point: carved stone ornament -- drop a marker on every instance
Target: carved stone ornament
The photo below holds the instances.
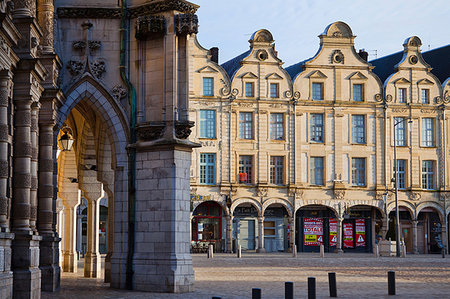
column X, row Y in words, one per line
column 183, row 129
column 150, row 131
column 225, row 90
column 193, row 191
column 75, row 67
column 297, row 95
column 415, row 196
column 186, row 24
column 98, row 13
column 438, row 100
column 413, row 59
column 149, row 27
column 443, row 196
column 95, row 45
column 262, row 55
column 288, row 93
column 98, row 68
column 337, row 57
column 79, row 45
column 388, row 98
column 339, row 194
column 119, row 92
column 378, row 98
column 262, row 191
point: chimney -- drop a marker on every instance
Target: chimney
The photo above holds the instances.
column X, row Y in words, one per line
column 363, row 54
column 214, row 51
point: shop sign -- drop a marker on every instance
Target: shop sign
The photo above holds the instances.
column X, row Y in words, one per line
column 360, row 232
column 333, row 232
column 348, row 235
column 313, row 231
column 200, row 197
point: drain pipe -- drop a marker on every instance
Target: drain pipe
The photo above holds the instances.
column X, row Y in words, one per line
column 124, row 37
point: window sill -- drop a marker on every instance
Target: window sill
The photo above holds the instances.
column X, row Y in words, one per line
column 206, row 138
column 207, row 185
column 431, row 146
column 353, row 143
column 316, row 142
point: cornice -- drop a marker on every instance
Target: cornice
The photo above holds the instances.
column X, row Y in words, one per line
column 153, row 7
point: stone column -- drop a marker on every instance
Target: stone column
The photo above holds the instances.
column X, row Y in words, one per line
column 291, row 233
column 339, row 235
column 24, row 8
column 110, row 237
column 6, row 275
column 229, row 219
column 260, row 235
column 71, row 200
column 92, row 260
column 34, row 165
column 414, row 231
column 45, row 19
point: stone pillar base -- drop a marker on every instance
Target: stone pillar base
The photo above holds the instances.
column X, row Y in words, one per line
column 25, row 265
column 108, row 267
column 261, row 250
column 92, row 265
column 338, row 250
column 49, row 263
column 6, row 275
column 163, row 275
column 70, row 263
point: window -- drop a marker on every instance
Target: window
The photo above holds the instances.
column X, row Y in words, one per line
column 207, row 124
column 246, row 125
column 276, row 170
column 207, row 169
column 401, row 174
column 402, row 95
column 427, row 132
column 428, row 175
column 276, row 126
column 425, row 95
column 399, row 127
column 317, row 91
column 358, row 92
column 245, row 169
column 249, row 89
column 317, row 170
column 358, row 171
column 274, row 90
column 208, row 84
column 316, row 122
column 358, row 129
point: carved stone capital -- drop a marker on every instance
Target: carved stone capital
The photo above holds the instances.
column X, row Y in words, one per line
column 149, row 27
column 186, row 24
column 150, row 131
column 183, row 129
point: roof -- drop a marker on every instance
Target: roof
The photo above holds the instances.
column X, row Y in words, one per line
column 232, row 65
column 438, row 59
column 295, row 69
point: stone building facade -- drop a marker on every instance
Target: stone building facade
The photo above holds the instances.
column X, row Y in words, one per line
column 304, row 155
column 111, row 77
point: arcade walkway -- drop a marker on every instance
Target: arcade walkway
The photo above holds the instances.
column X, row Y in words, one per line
column 358, row 276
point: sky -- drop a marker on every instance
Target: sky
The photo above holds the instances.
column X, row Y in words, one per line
column 381, row 25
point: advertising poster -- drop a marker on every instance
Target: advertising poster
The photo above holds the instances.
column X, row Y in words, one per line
column 333, row 232
column 360, row 229
column 348, row 235
column 313, row 231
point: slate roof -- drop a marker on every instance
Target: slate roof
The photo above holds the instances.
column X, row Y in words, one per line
column 438, row 59
column 232, row 65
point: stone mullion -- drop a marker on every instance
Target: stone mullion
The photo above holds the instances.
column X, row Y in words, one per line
column 4, row 165
column 45, row 217
column 34, row 165
column 22, row 166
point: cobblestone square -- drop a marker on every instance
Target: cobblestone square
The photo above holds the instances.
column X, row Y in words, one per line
column 358, row 276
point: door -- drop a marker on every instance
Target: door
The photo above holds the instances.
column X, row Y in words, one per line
column 247, row 234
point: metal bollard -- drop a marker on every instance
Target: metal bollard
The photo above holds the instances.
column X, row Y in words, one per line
column 376, row 251
column 239, row 252
column 289, row 290
column 216, row 297
column 311, row 288
column 294, row 251
column 256, row 293
column 210, row 253
column 322, row 250
column 332, row 284
column 391, row 282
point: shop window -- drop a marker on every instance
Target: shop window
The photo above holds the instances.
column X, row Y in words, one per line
column 207, row 223
column 276, row 126
column 208, row 87
column 208, row 124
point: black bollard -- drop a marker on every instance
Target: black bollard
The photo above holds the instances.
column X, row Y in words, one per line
column 289, row 290
column 311, row 288
column 216, row 297
column 332, row 283
column 391, row 282
column 256, row 293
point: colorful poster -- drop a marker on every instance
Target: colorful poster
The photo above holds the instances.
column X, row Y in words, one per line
column 313, row 231
column 360, row 229
column 333, row 232
column 348, row 235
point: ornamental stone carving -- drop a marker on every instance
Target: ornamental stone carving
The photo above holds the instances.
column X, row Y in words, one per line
column 150, row 131
column 79, row 45
column 95, row 45
column 415, row 196
column 98, row 13
column 378, row 97
column 98, row 68
column 388, row 98
column 75, row 67
column 339, row 194
column 337, row 57
column 262, row 191
column 186, row 24
column 119, row 92
column 183, row 129
column 149, row 27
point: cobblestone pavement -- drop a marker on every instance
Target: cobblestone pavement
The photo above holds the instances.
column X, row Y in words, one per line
column 358, row 276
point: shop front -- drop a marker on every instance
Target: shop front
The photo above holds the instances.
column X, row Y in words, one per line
column 207, row 227
column 245, row 227
column 357, row 229
column 429, row 232
column 276, row 229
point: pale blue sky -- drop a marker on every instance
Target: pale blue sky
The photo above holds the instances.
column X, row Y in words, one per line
column 380, row 25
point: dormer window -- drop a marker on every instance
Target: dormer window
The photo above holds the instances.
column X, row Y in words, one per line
column 274, row 87
column 249, row 89
column 358, row 90
column 208, row 86
column 317, row 91
column 425, row 96
column 402, row 95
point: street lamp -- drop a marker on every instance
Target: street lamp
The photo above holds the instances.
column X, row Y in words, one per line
column 66, row 139
column 397, row 213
